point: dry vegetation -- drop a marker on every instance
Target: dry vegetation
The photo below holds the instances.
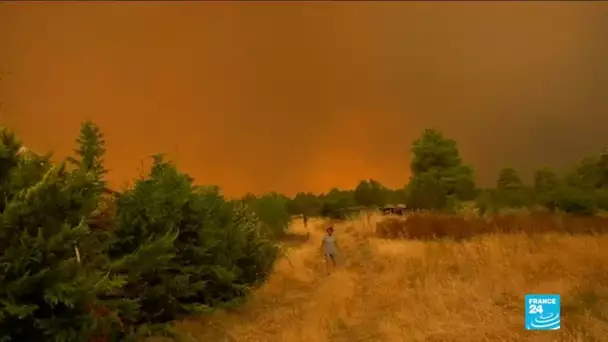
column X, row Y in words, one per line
column 432, row 225
column 405, row 290
column 164, row 249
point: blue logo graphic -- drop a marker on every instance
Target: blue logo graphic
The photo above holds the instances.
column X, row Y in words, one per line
column 543, row 312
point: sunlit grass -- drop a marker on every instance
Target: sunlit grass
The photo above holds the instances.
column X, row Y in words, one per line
column 399, row 290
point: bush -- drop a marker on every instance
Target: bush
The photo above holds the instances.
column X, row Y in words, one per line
column 183, row 249
column 271, row 210
column 575, row 200
column 433, row 226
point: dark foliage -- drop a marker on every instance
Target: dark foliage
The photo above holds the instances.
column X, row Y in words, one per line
column 78, row 265
column 54, row 275
column 425, row 226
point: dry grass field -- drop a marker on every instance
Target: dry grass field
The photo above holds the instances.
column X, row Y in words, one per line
column 405, row 290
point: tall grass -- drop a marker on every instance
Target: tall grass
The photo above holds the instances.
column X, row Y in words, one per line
column 405, row 290
column 431, row 226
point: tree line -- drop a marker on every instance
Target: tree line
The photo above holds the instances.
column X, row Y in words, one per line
column 80, row 264
column 441, row 181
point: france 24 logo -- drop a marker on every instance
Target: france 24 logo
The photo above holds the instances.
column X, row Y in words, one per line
column 543, row 312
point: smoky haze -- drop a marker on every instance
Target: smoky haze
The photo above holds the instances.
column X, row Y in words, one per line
column 306, row 96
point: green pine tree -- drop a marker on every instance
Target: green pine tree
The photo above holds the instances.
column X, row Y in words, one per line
column 184, row 249
column 53, row 272
column 90, row 153
column 439, row 178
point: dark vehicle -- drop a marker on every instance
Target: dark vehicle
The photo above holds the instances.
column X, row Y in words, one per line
column 394, row 210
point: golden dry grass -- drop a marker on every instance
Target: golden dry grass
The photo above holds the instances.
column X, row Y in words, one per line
column 396, row 290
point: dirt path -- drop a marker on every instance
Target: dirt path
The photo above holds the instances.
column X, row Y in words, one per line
column 300, row 302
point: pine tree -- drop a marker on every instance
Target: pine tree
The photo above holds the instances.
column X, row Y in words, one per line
column 54, row 277
column 439, row 178
column 90, row 153
column 89, row 159
column 184, row 249
column 51, row 263
column 174, row 249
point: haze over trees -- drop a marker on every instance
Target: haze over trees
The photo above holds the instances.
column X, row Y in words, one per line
column 441, row 181
column 78, row 264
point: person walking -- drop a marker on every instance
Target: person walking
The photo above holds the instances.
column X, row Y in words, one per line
column 329, row 245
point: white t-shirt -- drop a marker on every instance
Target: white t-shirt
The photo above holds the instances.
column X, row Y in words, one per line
column 329, row 244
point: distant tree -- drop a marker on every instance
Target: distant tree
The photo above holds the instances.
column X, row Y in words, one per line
column 545, row 180
column 397, row 196
column 336, row 202
column 511, row 191
column 434, row 152
column 437, row 167
column 590, row 173
column 590, row 176
column 370, row 194
column 460, row 182
column 508, row 179
column 362, row 194
column 341, row 198
column 427, row 191
column 305, row 203
column 546, row 184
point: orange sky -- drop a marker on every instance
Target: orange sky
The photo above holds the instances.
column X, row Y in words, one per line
column 306, row 96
